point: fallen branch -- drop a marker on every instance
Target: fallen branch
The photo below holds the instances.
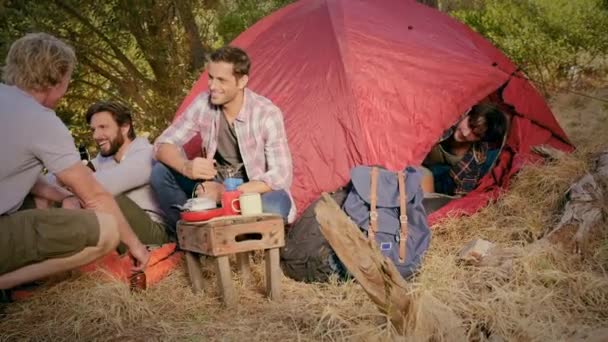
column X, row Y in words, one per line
column 380, row 279
column 583, row 213
column 378, row 276
column 583, row 220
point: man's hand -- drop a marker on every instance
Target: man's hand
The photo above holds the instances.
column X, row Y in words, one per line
column 213, row 190
column 196, row 169
column 93, row 196
column 199, row 168
column 254, row 186
column 71, row 202
column 141, row 256
column 44, row 190
column 42, row 203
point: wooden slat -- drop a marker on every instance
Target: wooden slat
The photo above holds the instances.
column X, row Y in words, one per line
column 211, row 238
column 224, row 239
column 192, row 238
column 273, row 274
column 224, row 281
column 193, row 264
column 238, row 219
column 242, row 260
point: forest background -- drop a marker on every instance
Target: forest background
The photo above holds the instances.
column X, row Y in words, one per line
column 148, row 53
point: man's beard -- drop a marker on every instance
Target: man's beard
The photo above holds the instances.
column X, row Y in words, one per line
column 115, row 145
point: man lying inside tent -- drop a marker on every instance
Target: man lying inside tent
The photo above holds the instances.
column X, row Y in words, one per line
column 466, row 151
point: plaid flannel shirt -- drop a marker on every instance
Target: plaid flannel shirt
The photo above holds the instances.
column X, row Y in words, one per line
column 260, row 134
column 467, row 172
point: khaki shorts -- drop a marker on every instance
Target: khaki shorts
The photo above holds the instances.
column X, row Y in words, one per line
column 148, row 231
column 31, row 236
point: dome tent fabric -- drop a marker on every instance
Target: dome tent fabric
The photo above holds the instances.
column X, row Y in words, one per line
column 376, row 82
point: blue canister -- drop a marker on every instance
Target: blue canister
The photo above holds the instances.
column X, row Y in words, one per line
column 232, row 183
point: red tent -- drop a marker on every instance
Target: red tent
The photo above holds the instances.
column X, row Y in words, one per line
column 377, row 82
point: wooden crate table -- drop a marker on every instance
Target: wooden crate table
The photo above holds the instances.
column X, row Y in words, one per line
column 220, row 237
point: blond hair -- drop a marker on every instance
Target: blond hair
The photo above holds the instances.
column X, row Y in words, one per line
column 38, row 61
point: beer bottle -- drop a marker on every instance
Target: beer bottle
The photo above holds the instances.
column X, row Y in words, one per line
column 84, row 157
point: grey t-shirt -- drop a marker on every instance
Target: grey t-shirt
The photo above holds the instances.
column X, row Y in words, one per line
column 131, row 176
column 31, row 137
column 228, row 155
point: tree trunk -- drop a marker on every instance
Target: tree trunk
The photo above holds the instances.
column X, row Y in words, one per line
column 197, row 50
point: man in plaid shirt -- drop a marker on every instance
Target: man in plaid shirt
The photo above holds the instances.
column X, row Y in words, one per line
column 243, row 136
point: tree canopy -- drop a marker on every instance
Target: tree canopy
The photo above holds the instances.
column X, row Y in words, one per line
column 145, row 53
column 148, row 53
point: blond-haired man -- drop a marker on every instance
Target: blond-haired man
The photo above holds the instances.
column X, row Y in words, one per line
column 37, row 243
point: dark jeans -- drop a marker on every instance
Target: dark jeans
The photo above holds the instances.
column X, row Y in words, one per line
column 173, row 188
column 444, row 184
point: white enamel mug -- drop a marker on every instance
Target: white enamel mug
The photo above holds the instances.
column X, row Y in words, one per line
column 251, row 203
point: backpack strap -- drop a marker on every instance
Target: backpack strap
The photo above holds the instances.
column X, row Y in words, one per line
column 402, row 216
column 373, row 213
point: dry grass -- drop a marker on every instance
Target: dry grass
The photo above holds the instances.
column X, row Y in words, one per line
column 545, row 294
column 92, row 308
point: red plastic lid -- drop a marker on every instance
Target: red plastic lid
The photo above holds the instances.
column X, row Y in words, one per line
column 204, row 215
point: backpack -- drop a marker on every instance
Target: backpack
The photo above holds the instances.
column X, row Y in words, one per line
column 388, row 207
column 307, row 256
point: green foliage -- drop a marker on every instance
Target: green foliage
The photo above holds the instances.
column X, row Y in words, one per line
column 238, row 15
column 546, row 38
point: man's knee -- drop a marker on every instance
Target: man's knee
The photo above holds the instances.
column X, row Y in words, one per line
column 109, row 236
column 276, row 202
